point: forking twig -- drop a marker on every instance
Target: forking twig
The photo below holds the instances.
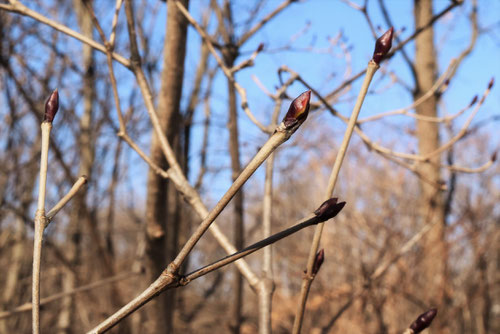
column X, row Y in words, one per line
column 295, row 116
column 326, row 211
column 42, row 219
column 382, row 47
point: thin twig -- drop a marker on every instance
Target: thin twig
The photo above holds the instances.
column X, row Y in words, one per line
column 327, row 210
column 18, row 7
column 227, row 71
column 294, row 118
column 28, row 307
column 382, row 46
column 40, row 223
column 82, row 180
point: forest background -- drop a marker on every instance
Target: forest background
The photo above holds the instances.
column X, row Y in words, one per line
column 416, row 232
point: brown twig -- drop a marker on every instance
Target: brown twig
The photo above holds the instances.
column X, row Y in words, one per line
column 382, row 47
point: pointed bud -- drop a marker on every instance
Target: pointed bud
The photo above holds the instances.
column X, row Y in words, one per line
column 473, row 102
column 423, row 321
column 298, row 111
column 382, row 46
column 260, row 47
column 494, row 157
column 329, row 209
column 51, row 107
column 318, row 261
column 491, row 83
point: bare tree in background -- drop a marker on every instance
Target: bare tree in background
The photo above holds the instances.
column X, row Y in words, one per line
column 404, row 244
column 163, row 202
column 432, row 204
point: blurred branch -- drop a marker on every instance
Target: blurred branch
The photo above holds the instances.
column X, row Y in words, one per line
column 382, row 46
column 417, row 32
column 227, row 71
column 27, row 306
column 17, row 7
column 262, row 22
column 306, row 222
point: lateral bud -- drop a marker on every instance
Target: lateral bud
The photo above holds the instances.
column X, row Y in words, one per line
column 329, row 209
column 423, row 321
column 51, row 106
column 382, row 46
column 318, row 261
column 298, row 111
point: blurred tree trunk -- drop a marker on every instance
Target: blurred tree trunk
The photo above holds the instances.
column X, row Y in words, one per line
column 234, row 151
column 79, row 212
column 163, row 202
column 18, row 257
column 81, row 215
column 432, row 206
column 230, row 52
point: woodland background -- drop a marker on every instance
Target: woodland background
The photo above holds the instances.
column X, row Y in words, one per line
column 117, row 235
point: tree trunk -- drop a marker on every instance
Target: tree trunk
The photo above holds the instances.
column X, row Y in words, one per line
column 238, row 235
column 162, row 203
column 433, row 265
column 79, row 212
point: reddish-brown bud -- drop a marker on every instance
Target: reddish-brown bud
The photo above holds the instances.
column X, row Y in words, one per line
column 382, row 46
column 298, row 111
column 260, row 47
column 51, row 107
column 423, row 321
column 494, row 157
column 318, row 261
column 329, row 209
column 473, row 102
column 491, row 83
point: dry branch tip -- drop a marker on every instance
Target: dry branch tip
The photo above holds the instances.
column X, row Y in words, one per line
column 51, row 106
column 382, row 46
column 423, row 321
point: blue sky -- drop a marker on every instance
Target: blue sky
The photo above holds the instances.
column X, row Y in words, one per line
column 326, row 19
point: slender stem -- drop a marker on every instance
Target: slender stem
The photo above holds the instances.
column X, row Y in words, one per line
column 308, row 221
column 170, row 276
column 40, row 223
column 82, row 180
column 37, row 256
column 278, row 138
column 152, row 291
column 108, row 280
column 309, row 277
column 266, row 283
column 46, row 128
column 168, row 281
column 18, row 7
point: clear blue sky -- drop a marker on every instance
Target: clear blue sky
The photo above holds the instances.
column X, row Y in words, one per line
column 327, row 19
column 324, row 70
